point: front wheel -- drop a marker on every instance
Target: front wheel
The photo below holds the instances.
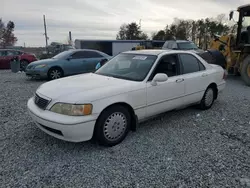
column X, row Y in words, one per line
column 112, row 125
column 208, row 99
column 55, row 73
column 245, row 70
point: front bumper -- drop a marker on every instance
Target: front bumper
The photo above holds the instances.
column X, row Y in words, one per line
column 68, row 128
column 36, row 73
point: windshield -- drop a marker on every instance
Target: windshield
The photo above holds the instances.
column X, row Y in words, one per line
column 187, row 46
column 128, row 66
column 245, row 23
column 62, row 55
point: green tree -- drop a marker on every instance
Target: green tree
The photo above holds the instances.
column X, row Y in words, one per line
column 160, row 35
column 143, row 36
column 131, row 31
column 199, row 31
column 122, row 33
column 7, row 37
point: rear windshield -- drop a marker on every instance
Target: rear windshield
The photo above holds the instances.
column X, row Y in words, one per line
column 187, row 46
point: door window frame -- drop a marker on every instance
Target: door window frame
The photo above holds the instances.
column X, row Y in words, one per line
column 182, row 67
column 178, row 67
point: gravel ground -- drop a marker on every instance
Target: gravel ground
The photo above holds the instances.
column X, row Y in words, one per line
column 187, row 148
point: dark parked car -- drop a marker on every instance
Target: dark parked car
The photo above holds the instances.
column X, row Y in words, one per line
column 181, row 45
column 6, row 55
column 66, row 63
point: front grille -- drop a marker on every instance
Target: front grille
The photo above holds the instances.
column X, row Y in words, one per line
column 41, row 102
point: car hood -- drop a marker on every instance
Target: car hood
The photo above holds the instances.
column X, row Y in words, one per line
column 88, row 87
column 43, row 61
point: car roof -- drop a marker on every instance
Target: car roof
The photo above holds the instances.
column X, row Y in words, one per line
column 158, row 52
column 146, row 52
column 9, row 49
column 79, row 50
column 178, row 41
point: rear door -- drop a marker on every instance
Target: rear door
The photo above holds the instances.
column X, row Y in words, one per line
column 196, row 77
column 91, row 59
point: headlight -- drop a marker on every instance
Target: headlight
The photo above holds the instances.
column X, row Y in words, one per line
column 40, row 66
column 72, row 109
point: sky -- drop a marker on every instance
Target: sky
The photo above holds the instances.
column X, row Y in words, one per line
column 101, row 19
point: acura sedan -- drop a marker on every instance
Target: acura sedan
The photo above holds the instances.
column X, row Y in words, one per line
column 131, row 87
column 66, row 63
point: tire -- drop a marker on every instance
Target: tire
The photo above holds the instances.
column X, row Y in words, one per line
column 208, row 98
column 23, row 65
column 55, row 73
column 112, row 126
column 245, row 70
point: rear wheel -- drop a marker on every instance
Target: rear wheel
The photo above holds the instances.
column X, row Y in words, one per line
column 112, row 125
column 245, row 71
column 208, row 98
column 55, row 73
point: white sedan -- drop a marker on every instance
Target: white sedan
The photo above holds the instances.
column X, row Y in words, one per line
column 131, row 87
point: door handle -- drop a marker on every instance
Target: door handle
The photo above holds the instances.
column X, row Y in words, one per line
column 179, row 80
column 204, row 74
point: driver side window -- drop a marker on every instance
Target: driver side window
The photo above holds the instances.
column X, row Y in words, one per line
column 168, row 64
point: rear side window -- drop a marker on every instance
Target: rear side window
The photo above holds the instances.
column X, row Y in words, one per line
column 78, row 55
column 190, row 64
column 11, row 53
column 86, row 54
column 92, row 54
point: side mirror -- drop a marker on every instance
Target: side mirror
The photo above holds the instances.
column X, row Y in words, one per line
column 231, row 14
column 160, row 77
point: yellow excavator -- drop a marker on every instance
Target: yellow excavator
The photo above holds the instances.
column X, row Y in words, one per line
column 236, row 50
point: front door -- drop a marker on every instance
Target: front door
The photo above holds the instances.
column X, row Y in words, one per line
column 75, row 64
column 165, row 95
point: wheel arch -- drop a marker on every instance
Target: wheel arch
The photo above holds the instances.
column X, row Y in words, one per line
column 214, row 85
column 134, row 118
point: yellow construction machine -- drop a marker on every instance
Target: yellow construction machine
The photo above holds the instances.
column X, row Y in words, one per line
column 236, row 49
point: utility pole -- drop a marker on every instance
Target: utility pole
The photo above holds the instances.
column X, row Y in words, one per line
column 140, row 23
column 45, row 33
column 70, row 37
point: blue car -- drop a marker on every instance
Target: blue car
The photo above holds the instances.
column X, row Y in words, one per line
column 67, row 63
